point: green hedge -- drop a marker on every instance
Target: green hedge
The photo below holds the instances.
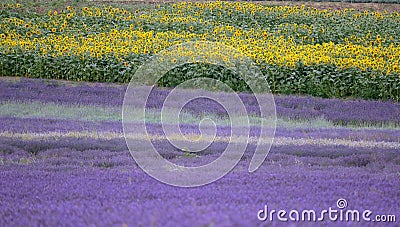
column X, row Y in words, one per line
column 316, row 80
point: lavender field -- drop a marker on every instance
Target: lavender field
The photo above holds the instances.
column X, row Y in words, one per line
column 64, row 161
column 300, row 101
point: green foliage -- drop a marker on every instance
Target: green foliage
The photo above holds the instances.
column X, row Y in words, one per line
column 316, row 80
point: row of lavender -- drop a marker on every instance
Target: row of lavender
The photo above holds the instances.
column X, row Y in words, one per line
column 38, row 125
column 96, row 182
column 15, row 148
column 338, row 111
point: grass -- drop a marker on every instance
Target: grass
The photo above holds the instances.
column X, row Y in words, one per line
column 107, row 113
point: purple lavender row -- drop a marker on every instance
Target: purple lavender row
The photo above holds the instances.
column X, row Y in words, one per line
column 37, row 125
column 293, row 107
column 61, row 92
column 109, row 151
column 72, row 187
column 86, row 196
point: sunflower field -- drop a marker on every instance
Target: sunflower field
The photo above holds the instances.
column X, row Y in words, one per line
column 300, row 50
